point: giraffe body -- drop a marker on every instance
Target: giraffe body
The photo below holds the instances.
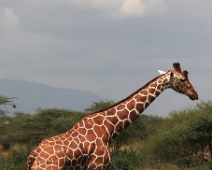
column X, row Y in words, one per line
column 85, row 146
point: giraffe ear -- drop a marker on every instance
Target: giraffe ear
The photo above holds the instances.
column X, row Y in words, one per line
column 161, row 72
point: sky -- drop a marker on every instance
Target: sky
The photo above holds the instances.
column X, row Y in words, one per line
column 108, row 47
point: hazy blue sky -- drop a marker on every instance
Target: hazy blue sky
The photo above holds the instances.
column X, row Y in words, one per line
column 108, row 47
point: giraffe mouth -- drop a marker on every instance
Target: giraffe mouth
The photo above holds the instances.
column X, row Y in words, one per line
column 194, row 96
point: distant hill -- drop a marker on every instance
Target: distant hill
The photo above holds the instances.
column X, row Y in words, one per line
column 31, row 96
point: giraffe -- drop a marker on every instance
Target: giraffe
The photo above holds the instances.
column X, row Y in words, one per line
column 86, row 145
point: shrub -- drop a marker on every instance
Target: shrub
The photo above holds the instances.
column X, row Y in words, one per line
column 125, row 160
column 15, row 161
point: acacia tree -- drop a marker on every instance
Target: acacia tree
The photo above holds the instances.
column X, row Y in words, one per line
column 186, row 136
column 6, row 101
column 101, row 104
column 4, row 119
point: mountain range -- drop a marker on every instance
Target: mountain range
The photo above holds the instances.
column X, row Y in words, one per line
column 30, row 96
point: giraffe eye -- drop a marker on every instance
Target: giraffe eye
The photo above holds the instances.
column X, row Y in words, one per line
column 182, row 79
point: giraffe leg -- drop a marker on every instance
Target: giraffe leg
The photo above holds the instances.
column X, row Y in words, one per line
column 38, row 165
column 100, row 160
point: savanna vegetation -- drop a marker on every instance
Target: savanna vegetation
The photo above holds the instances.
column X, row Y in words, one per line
column 181, row 141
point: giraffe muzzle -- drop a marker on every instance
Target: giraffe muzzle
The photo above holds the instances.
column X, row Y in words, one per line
column 194, row 96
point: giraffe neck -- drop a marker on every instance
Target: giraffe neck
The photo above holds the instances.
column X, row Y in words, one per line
column 122, row 114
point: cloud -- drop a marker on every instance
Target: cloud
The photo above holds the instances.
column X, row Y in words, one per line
column 126, row 8
column 10, row 19
column 141, row 8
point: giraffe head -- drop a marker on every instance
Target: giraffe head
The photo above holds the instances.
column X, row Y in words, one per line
column 178, row 81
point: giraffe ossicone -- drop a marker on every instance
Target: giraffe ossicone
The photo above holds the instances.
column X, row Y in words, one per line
column 86, row 145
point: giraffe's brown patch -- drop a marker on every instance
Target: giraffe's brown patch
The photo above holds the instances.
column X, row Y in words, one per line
column 45, row 154
column 151, row 98
column 160, row 81
column 91, row 136
column 42, row 166
column 56, row 138
column 113, row 119
column 68, row 134
column 157, row 93
column 60, row 153
column 137, row 97
column 108, row 126
column 53, row 159
column 159, row 87
column 86, row 147
column 98, row 130
column 50, row 150
column 152, row 90
column 126, row 123
column 99, row 159
column 144, row 92
column 65, row 148
column 141, row 99
column 140, row 106
column 107, row 158
column 93, row 159
column 82, row 138
column 58, row 148
column 39, row 161
column 120, row 107
column 59, row 142
column 74, row 134
column 77, row 153
column 92, row 147
column 62, row 137
column 48, row 142
column 153, row 85
column 80, row 123
column 98, row 120
column 82, row 131
column 105, row 134
column 88, row 123
column 77, row 125
column 119, row 127
column 73, row 144
column 133, row 115
column 122, row 115
column 110, row 112
column 147, row 104
column 99, row 142
column 131, row 104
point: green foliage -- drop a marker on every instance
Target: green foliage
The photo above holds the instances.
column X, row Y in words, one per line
column 125, row 160
column 101, row 104
column 15, row 161
column 6, row 101
column 32, row 129
column 185, row 137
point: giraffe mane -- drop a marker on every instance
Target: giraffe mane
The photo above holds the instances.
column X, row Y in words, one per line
column 128, row 97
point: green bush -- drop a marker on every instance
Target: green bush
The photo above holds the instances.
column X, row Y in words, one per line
column 32, row 129
column 15, row 161
column 125, row 160
column 185, row 137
